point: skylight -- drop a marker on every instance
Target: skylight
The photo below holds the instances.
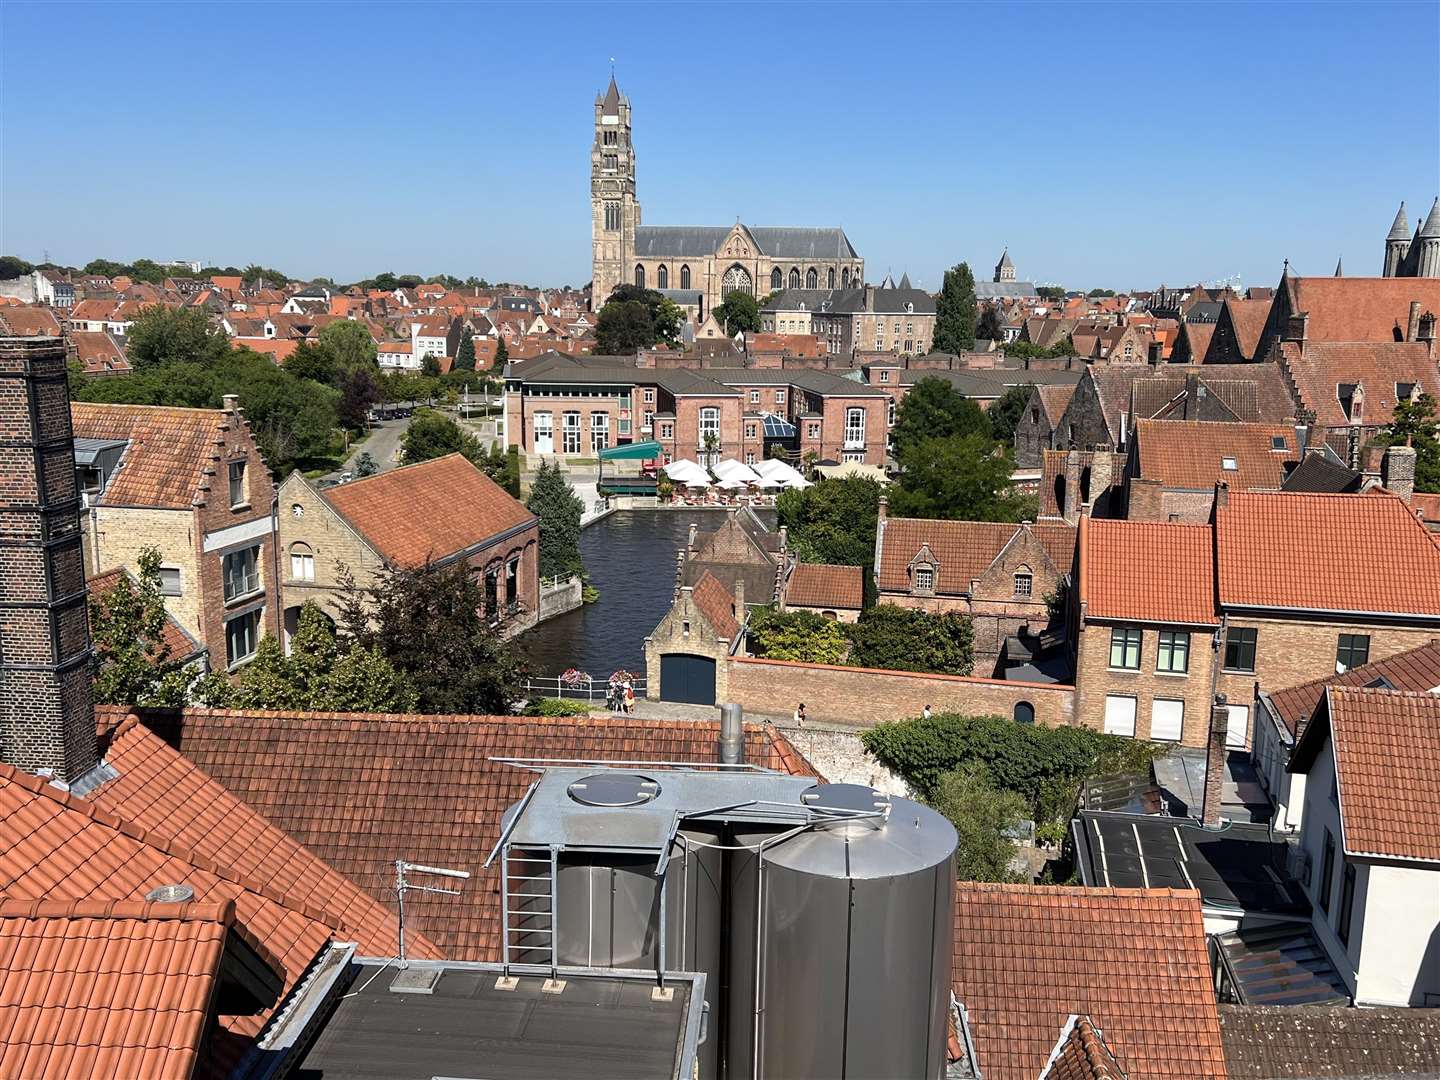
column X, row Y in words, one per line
column 1229, row 464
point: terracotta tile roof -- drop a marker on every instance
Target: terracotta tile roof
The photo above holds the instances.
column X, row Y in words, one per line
column 1360, row 309
column 1325, row 553
column 1150, row 572
column 98, row 351
column 1280, row 1042
column 92, row 310
column 278, row 349
column 1081, row 1054
column 107, row 989
column 1029, row 956
column 432, row 510
column 1320, row 368
column 1054, row 397
column 1247, row 318
column 182, row 645
column 816, row 585
column 1415, row 669
column 717, row 604
column 1387, row 755
column 362, row 790
column 29, row 321
column 1192, row 454
column 963, row 550
column 1198, row 336
column 168, row 449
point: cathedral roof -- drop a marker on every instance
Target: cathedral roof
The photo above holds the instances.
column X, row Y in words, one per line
column 1005, row 258
column 698, row 241
column 611, row 106
column 1432, row 223
column 1401, row 229
column 905, row 281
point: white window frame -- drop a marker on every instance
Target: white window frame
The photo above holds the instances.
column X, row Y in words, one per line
column 568, row 429
column 854, row 427
column 302, row 563
column 1120, row 714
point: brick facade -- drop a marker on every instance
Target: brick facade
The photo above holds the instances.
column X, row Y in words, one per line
column 686, row 630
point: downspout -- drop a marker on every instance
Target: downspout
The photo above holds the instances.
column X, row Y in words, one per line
column 275, row 565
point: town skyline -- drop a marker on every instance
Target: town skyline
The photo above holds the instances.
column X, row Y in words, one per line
column 918, row 179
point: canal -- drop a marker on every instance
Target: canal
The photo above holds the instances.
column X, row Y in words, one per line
column 630, row 557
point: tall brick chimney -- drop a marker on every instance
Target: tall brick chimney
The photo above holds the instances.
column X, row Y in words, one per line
column 1412, row 325
column 1215, row 762
column 47, row 716
column 1397, row 471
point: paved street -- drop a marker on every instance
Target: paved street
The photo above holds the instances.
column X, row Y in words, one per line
column 383, row 445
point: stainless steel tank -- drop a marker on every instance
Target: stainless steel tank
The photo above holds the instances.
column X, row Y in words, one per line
column 840, row 943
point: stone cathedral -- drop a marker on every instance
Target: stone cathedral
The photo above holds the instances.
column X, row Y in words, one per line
column 706, row 262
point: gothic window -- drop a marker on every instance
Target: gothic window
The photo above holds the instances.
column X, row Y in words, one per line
column 684, row 277
column 776, row 279
column 812, row 280
column 612, row 161
column 639, row 276
column 845, row 278
column 736, row 280
column 831, row 278
column 794, row 277
column 612, row 216
column 662, row 278
column 609, row 138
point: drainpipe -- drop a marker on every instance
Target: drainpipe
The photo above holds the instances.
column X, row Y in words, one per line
column 275, row 567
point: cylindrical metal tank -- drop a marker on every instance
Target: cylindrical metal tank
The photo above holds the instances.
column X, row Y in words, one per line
column 840, row 943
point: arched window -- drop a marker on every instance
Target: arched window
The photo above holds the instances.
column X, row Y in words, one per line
column 1024, row 712
column 776, row 278
column 812, row 279
column 794, row 277
column 662, row 278
column 736, row 280
column 302, row 562
column 845, row 278
column 830, row 278
column 684, row 277
column 639, row 276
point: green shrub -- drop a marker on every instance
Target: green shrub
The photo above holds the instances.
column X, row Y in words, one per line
column 907, row 639
column 549, row 706
column 797, row 635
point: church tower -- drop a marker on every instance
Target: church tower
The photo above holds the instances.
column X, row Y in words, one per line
column 614, row 211
column 1428, row 263
column 1005, row 269
column 1397, row 244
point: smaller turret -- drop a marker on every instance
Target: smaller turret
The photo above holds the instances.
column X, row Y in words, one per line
column 1397, row 244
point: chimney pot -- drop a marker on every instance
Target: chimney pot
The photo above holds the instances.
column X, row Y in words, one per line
column 732, row 734
column 230, row 402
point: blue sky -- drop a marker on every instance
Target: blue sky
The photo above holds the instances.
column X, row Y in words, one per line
column 1106, row 145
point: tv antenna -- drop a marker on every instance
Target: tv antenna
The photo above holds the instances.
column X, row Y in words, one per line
column 402, row 886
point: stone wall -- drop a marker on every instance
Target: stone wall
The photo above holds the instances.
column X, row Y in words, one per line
column 558, row 599
column 869, row 695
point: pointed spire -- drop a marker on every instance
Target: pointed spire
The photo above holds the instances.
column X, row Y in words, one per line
column 1005, row 258
column 611, row 106
column 1401, row 229
column 1340, row 266
column 1431, row 228
column 905, row 281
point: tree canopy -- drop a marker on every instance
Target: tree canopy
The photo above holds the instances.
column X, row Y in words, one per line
column 740, row 311
column 1005, row 413
column 635, row 318
column 985, row 817
column 955, row 311
column 908, row 639
column 432, row 434
column 1414, row 423
column 131, row 662
column 934, row 409
column 805, row 636
column 962, row 478
column 162, row 335
column 12, row 266
column 559, row 509
column 991, row 326
column 465, row 354
column 833, row 521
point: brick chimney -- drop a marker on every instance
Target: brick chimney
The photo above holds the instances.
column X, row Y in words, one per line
column 1215, row 762
column 1298, row 328
column 1397, row 471
column 1222, row 494
column 47, row 717
column 1412, row 325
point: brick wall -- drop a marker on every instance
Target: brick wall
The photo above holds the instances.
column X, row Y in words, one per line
column 832, row 430
column 869, row 696
column 334, row 545
column 115, row 536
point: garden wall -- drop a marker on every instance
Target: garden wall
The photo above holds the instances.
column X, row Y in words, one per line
column 870, row 695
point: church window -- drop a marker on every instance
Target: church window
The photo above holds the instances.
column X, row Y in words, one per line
column 812, row 279
column 737, row 280
column 662, row 278
column 684, row 277
column 794, row 277
column 612, row 216
column 609, row 139
column 775, row 278
column 845, row 278
column 639, row 276
column 611, row 161
column 831, row 278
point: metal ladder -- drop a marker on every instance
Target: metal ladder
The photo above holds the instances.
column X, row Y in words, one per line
column 528, row 898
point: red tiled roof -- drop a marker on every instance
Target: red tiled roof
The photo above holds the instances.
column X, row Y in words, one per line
column 168, row 449
column 1364, row 553
column 963, row 550
column 1027, row 957
column 817, row 585
column 1199, row 336
column 1414, row 669
column 98, row 352
column 1054, row 397
column 1360, row 309
column 107, row 989
column 1387, row 754
column 1191, row 454
column 182, row 646
column 29, row 321
column 363, row 790
column 277, row 348
column 1319, row 368
column 427, row 511
column 717, row 604
column 1145, row 571
column 1248, row 319
column 1081, row 1054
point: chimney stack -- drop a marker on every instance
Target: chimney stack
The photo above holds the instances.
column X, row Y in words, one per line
column 47, row 717
column 1222, row 494
column 690, row 541
column 884, row 507
column 1397, row 471
column 732, row 734
column 1215, row 763
column 230, row 402
column 1412, row 325
column 1299, row 327
column 740, row 599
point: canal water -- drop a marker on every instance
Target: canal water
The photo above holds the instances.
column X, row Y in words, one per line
column 630, row 557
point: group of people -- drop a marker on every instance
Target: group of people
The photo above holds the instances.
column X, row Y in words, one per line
column 621, row 698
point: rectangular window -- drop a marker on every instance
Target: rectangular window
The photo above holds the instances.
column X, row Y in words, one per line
column 1237, row 726
column 667, row 431
column 599, row 431
column 812, row 431
column 302, row 566
column 754, row 397
column 1173, row 655
column 649, row 397
column 237, row 484
column 649, row 420
column 884, row 376
column 1347, row 902
column 1119, row 715
column 1240, row 648
column 512, row 581
column 571, row 433
column 779, row 397
column 854, row 427
column 1352, row 651
column 1327, row 870
column 1167, row 720
column 924, row 578
column 622, row 427
column 241, row 571
column 1125, row 648
column 1024, row 584
column 169, row 581
column 749, row 431
column 749, row 457
column 890, row 413
column 242, row 636
column 709, row 423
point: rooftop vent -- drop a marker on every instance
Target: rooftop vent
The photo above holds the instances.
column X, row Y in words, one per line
column 613, row 789
column 170, row 894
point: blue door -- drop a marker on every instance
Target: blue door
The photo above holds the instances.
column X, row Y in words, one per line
column 687, row 678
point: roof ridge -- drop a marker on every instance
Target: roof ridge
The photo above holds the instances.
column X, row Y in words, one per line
column 221, row 911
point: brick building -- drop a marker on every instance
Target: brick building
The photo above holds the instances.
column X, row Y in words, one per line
column 1174, row 465
column 1348, row 309
column 437, row 512
column 191, row 483
column 888, row 318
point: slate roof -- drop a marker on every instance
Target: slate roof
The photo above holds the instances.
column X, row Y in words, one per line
column 1027, row 957
column 996, row 290
column 361, row 790
column 1319, row 474
column 1081, row 1054
column 430, row 511
column 1359, row 309
column 1354, row 553
column 1145, row 571
column 169, row 447
column 717, row 604
column 963, row 550
column 1277, row 1042
column 1191, row 454
column 105, row 988
column 821, row 586
column 1320, row 368
column 1415, row 669
column 182, row 645
column 698, row 241
column 981, row 385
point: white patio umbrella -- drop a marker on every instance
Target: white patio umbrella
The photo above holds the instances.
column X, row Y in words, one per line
column 736, row 470
column 797, row 481
column 676, row 470
column 732, row 483
column 778, row 470
column 767, row 482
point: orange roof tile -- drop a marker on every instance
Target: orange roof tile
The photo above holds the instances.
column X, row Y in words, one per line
column 1081, row 1054
column 29, row 321
column 816, row 585
column 1192, row 454
column 1319, row 369
column 963, row 550
column 168, row 449
column 1248, row 319
column 1027, row 957
column 1145, row 571
column 1360, row 309
column 98, row 351
column 717, row 604
column 1198, row 335
column 432, row 510
column 181, row 645
column 1352, row 553
column 278, row 349
column 107, row 989
column 1414, row 669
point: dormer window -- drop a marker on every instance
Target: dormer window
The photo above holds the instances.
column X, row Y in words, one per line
column 924, row 579
column 1404, row 391
column 1277, row 442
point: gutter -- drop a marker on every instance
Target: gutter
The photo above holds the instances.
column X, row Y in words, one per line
column 1397, row 616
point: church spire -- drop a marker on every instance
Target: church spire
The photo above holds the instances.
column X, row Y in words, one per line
column 1340, row 266
column 1431, row 228
column 905, row 281
column 611, row 104
column 1401, row 229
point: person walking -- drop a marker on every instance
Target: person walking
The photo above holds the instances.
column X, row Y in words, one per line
column 629, row 697
column 926, row 713
column 799, row 717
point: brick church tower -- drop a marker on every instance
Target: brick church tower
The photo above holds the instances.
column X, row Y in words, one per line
column 614, row 211
column 47, row 718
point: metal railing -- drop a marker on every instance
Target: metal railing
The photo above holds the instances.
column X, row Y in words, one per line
column 598, row 690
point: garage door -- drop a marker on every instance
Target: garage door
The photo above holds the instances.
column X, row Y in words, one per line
column 687, row 678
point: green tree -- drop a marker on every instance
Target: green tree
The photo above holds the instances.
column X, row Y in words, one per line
column 432, row 434
column 934, row 409
column 312, row 361
column 161, row 336
column 365, row 465
column 984, row 817
column 502, row 355
column 353, row 347
column 833, row 521
column 131, row 663
column 1005, row 414
column 358, row 394
column 559, row 509
column 740, row 311
column 1050, row 292
column 962, row 478
column 1414, row 423
column 907, row 639
column 13, row 267
column 991, row 326
column 1026, row 350
column 623, row 327
column 798, row 635
column 430, row 367
column 955, row 311
column 465, row 354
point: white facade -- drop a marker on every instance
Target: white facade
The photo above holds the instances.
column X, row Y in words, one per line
column 1271, row 755
column 397, row 357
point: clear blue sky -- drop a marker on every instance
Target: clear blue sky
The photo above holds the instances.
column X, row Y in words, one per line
column 1114, row 146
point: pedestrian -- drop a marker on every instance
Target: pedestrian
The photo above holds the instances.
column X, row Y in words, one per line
column 926, row 713
column 629, row 697
column 800, row 715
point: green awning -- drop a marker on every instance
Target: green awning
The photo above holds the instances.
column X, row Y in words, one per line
column 640, row 451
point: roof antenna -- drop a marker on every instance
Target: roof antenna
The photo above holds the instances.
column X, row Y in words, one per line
column 402, row 887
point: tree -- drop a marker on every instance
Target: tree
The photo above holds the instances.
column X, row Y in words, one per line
column 934, row 409
column 798, row 635
column 1005, row 414
column 365, row 465
column 353, row 347
column 312, row 361
column 1050, row 292
column 624, row 327
column 161, row 336
column 13, row 267
column 907, row 639
column 740, row 311
column 358, row 394
column 962, row 478
column 465, row 354
column 991, row 326
column 1414, row 423
column 833, row 521
column 985, row 817
column 1064, row 347
column 559, row 509
column 432, row 434
column 955, row 312
column 502, row 355
column 430, row 367
column 131, row 662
